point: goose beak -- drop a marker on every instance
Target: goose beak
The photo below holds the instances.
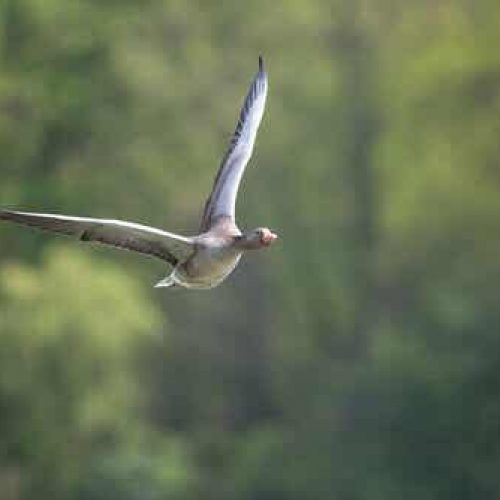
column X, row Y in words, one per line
column 269, row 238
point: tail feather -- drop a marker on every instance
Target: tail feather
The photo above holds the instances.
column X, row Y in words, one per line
column 169, row 281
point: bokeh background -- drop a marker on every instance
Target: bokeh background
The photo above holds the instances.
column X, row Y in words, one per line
column 359, row 358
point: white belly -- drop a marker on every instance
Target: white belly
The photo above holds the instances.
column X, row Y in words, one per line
column 208, row 268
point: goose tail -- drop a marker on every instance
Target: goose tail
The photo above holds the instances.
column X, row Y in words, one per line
column 169, row 281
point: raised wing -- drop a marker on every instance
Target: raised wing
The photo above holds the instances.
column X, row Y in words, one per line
column 222, row 200
column 135, row 237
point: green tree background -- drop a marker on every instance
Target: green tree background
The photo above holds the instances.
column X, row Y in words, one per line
column 359, row 359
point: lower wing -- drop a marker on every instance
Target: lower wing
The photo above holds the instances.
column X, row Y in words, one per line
column 127, row 235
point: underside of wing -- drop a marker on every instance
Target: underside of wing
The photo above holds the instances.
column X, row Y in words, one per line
column 127, row 235
column 222, row 200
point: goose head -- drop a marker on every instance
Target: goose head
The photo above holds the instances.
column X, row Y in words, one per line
column 257, row 238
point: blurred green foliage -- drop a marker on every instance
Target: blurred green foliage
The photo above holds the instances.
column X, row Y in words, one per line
column 359, row 358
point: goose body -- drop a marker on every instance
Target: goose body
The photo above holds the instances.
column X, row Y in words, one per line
column 202, row 261
column 213, row 261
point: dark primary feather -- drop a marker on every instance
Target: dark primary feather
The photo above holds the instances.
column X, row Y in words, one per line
column 126, row 235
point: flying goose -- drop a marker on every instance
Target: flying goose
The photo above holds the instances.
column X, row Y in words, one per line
column 202, row 261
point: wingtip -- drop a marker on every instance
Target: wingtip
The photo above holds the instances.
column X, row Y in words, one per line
column 261, row 63
column 5, row 213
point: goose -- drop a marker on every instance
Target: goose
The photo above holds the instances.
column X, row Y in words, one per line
column 202, row 261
